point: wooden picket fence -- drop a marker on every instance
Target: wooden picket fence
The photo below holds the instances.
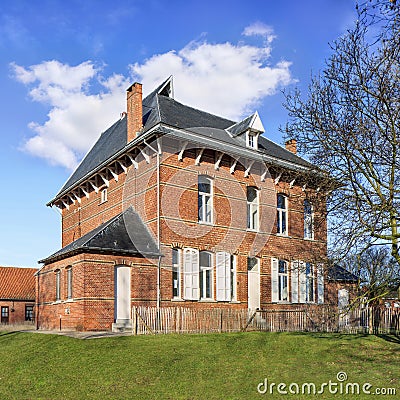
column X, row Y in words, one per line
column 150, row 320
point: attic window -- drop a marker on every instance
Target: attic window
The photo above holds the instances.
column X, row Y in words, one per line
column 252, row 140
column 103, row 195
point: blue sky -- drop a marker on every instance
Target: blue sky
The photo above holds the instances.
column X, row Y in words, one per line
column 64, row 66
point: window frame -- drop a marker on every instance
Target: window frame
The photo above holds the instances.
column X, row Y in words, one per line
column 103, row 195
column 309, row 272
column 205, row 208
column 69, row 283
column 176, row 274
column 252, row 208
column 31, row 316
column 252, row 140
column 308, row 220
column 283, row 277
column 282, row 215
column 206, row 277
column 233, row 273
column 58, row 285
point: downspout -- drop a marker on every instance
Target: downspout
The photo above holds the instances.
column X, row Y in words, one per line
column 158, row 234
column 158, row 225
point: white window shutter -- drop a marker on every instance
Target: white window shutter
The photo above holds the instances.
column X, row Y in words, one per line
column 191, row 274
column 274, row 279
column 223, row 276
column 320, row 283
column 295, row 281
column 302, row 283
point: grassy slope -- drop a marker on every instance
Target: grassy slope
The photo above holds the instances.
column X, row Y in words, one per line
column 220, row 366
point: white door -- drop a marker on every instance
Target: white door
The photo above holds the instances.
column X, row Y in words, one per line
column 122, row 293
column 253, row 283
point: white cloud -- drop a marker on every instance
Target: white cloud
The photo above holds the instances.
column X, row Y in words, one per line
column 76, row 117
column 260, row 29
column 224, row 78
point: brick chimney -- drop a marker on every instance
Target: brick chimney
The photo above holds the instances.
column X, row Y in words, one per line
column 291, row 145
column 134, row 122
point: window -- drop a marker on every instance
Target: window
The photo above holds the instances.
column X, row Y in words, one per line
column 58, row 285
column 205, row 199
column 226, row 276
column 191, row 274
column 233, row 277
column 103, row 195
column 176, row 276
column 252, row 264
column 308, row 220
column 283, row 293
column 69, row 282
column 4, row 315
column 28, row 312
column 282, row 215
column 309, row 282
column 206, row 278
column 252, row 208
column 252, row 140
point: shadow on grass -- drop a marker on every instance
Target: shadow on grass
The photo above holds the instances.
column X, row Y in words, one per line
column 394, row 338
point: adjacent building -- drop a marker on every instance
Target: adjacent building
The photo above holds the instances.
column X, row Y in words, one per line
column 17, row 295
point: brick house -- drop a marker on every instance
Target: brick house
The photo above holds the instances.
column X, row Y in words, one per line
column 342, row 287
column 174, row 206
column 17, row 294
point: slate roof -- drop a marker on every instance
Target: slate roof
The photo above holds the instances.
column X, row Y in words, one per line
column 159, row 108
column 123, row 234
column 338, row 273
column 17, row 283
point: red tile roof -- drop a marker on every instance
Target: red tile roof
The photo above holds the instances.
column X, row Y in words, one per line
column 17, row 283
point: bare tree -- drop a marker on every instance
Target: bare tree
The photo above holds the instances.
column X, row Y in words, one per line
column 378, row 272
column 349, row 125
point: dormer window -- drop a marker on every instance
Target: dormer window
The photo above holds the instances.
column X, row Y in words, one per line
column 252, row 140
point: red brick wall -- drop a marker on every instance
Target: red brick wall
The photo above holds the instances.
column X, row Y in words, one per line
column 93, row 305
column 16, row 310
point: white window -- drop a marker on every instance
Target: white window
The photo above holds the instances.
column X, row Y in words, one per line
column 279, row 280
column 233, row 277
column 58, row 285
column 282, row 215
column 283, row 292
column 252, row 208
column 310, row 288
column 224, row 276
column 103, row 195
column 176, row 276
column 69, row 282
column 252, row 140
column 320, row 283
column 191, row 274
column 206, row 275
column 205, row 199
column 308, row 220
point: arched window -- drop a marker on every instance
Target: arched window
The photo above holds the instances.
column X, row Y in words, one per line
column 308, row 220
column 206, row 275
column 282, row 215
column 205, row 199
column 58, row 285
column 69, row 282
column 252, row 208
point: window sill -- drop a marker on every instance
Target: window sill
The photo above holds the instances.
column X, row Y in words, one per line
column 177, row 299
column 69, row 301
column 309, row 239
column 252, row 230
column 234, row 302
column 283, row 235
column 57, row 302
column 207, row 301
column 205, row 223
column 102, row 202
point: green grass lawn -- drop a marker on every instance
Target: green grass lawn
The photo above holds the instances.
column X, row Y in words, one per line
column 214, row 366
